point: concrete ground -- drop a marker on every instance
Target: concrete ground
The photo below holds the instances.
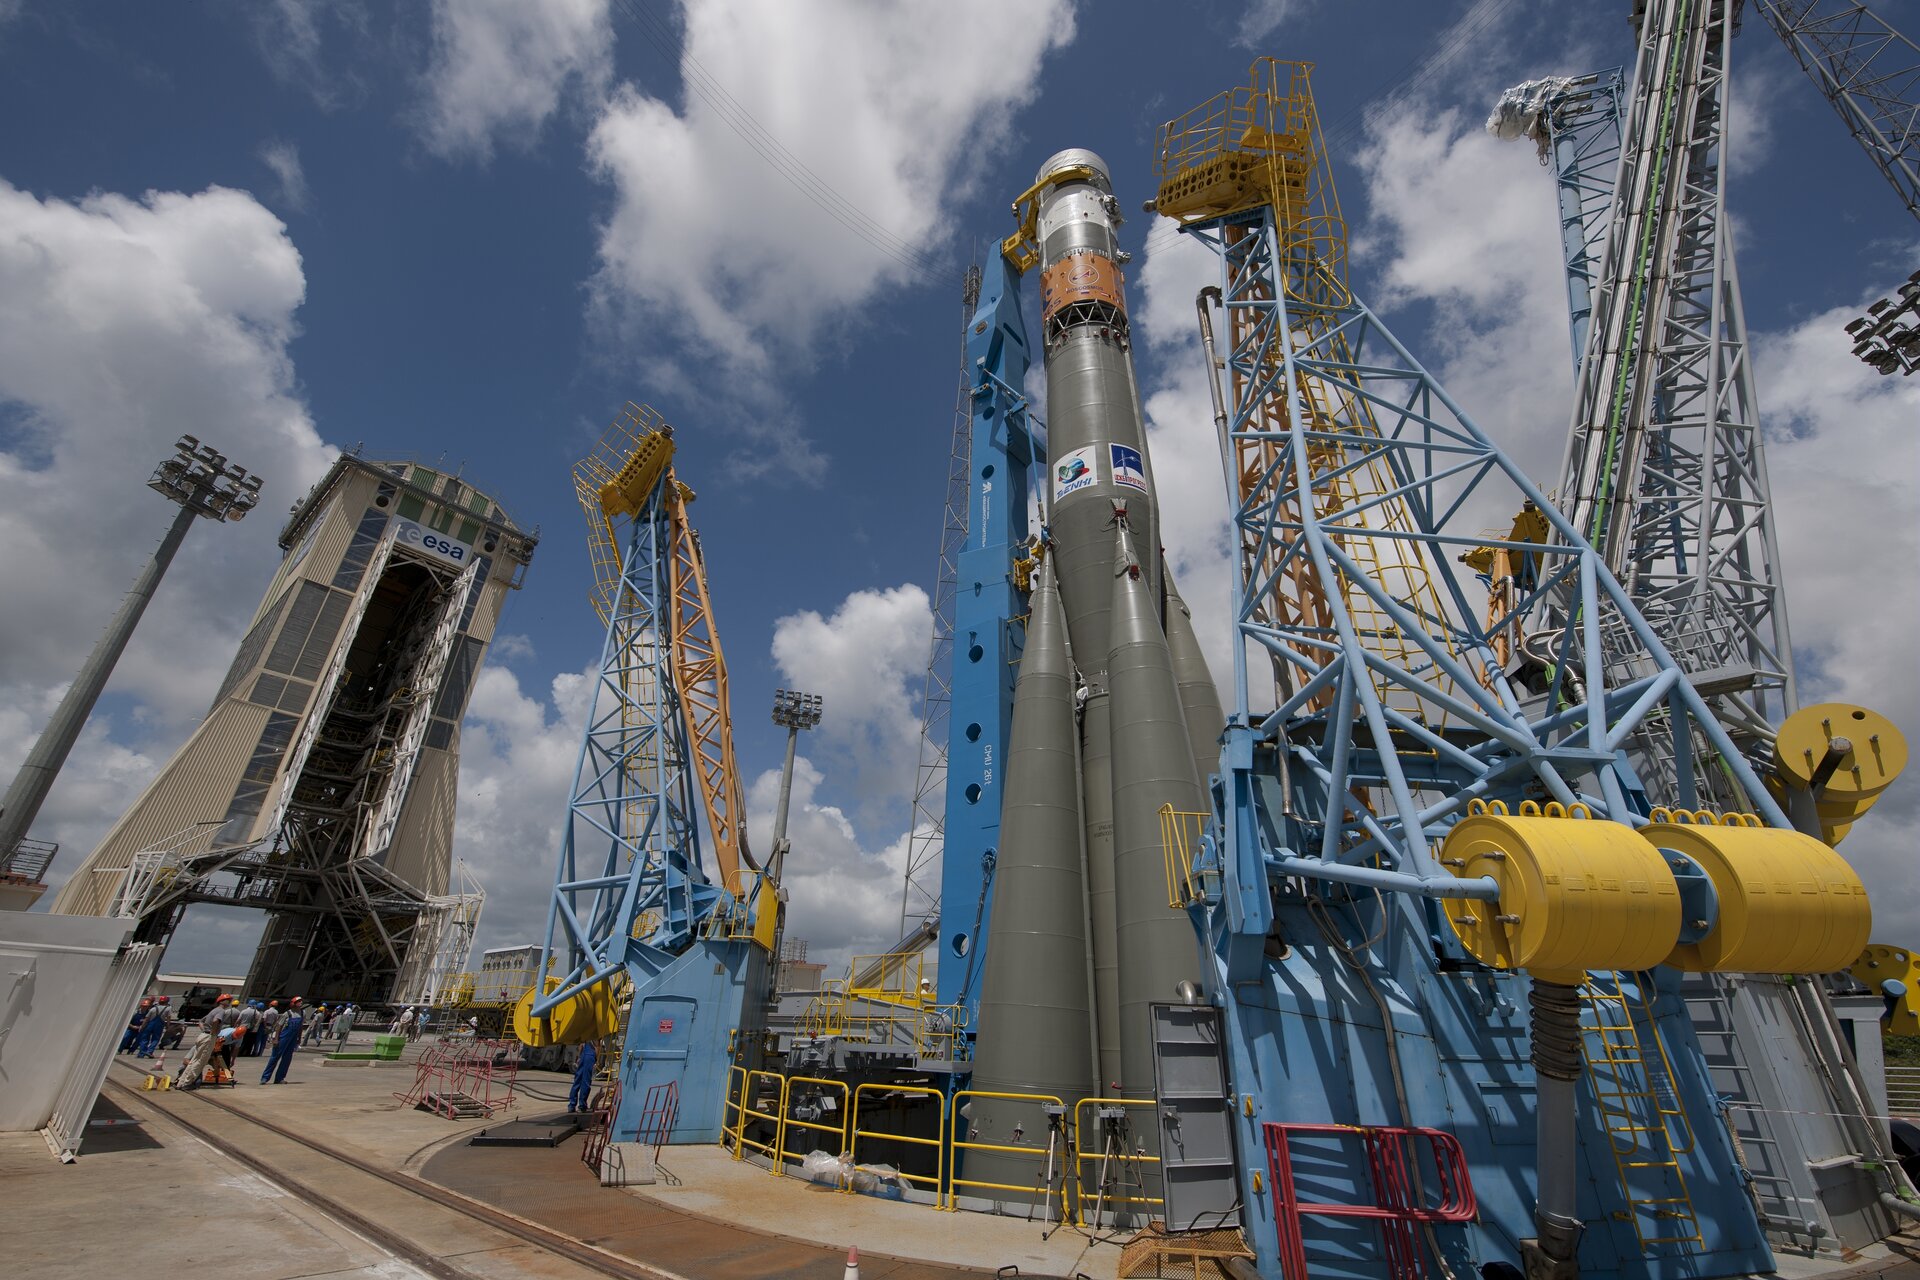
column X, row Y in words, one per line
column 148, row 1198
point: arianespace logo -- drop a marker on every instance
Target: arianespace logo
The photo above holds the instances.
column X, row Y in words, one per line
column 1073, row 472
column 409, row 534
column 1128, row 469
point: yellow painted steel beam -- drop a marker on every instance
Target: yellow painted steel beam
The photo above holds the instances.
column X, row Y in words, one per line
column 700, row 670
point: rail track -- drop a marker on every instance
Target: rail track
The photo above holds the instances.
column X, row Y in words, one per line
column 370, row 1211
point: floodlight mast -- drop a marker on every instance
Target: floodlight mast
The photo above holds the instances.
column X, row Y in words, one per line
column 204, row 484
column 793, row 711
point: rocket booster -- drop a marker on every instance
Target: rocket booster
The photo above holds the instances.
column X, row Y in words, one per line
column 1035, row 993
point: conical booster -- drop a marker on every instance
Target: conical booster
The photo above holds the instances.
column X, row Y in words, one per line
column 1034, row 1030
column 1152, row 768
column 1199, row 696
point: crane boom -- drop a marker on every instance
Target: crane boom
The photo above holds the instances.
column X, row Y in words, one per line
column 701, row 670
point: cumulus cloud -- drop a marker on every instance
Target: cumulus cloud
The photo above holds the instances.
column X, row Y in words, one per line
column 500, row 69
column 867, row 661
column 283, row 158
column 844, row 898
column 517, row 756
column 1195, row 521
column 810, row 167
column 124, row 322
column 1469, row 224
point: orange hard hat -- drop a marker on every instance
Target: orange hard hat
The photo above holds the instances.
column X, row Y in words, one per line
column 273, row 1004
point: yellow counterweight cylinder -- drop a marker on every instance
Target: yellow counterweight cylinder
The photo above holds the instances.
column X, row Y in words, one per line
column 1878, row 963
column 591, row 1015
column 1846, row 755
column 1788, row 903
column 1575, row 894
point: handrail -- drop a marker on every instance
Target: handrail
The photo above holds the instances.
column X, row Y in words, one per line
column 855, row 1133
column 956, row 1145
column 787, row 1121
column 742, row 1143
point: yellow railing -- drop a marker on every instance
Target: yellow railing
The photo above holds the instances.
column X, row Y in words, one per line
column 1179, row 837
column 838, row 1132
column 744, row 1112
column 1090, row 1175
column 937, row 1183
column 958, row 1146
column 1103, row 1194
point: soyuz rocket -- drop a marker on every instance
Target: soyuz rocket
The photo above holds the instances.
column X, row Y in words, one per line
column 1114, row 716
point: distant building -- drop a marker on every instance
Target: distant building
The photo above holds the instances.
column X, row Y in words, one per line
column 320, row 786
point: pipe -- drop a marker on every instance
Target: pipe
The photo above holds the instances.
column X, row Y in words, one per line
column 1899, row 1206
column 1557, row 1063
column 1200, row 300
column 1442, row 886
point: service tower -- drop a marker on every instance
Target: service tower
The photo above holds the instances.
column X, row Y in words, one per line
column 320, row 786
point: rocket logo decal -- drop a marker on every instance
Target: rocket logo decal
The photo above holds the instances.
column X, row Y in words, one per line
column 1073, row 472
column 1128, row 469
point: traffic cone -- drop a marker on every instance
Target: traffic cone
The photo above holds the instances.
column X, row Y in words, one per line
column 853, row 1264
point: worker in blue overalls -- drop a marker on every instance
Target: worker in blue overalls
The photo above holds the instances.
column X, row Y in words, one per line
column 582, row 1078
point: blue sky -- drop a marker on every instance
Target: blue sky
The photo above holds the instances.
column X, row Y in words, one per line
column 471, row 230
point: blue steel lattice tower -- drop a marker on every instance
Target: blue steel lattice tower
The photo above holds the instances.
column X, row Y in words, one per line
column 1373, row 958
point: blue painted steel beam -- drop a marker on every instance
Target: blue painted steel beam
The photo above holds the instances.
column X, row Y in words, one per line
column 1007, row 444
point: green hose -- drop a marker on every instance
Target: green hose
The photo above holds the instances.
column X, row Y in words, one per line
column 1642, row 269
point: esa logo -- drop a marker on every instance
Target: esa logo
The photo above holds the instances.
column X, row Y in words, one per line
column 413, row 535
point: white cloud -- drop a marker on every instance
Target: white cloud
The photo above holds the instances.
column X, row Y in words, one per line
column 292, row 37
column 1469, row 224
column 517, row 756
column 1195, row 525
column 501, row 69
column 843, row 899
column 283, row 158
column 123, row 323
column 867, row 662
column 1264, row 17
column 875, row 111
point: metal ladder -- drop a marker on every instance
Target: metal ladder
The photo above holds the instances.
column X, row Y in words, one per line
column 1647, row 1128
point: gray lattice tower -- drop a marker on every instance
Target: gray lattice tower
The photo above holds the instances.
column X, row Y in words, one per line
column 920, row 889
column 1871, row 75
column 1665, row 471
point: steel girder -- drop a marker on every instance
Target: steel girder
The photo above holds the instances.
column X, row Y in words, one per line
column 1665, row 470
column 631, row 882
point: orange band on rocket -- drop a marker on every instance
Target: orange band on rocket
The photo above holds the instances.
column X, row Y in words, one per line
column 1085, row 276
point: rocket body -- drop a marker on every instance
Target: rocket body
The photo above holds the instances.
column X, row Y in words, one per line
column 1143, row 716
column 1097, row 455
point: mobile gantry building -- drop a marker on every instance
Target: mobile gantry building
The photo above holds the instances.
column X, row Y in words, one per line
column 320, row 787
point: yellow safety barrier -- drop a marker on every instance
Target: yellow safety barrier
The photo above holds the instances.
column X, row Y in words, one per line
column 741, row 1142
column 956, row 1145
column 937, row 1183
column 731, row 1110
column 1101, row 1197
column 837, row 1131
column 1179, row 837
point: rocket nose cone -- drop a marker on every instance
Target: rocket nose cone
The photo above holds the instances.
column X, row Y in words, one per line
column 1070, row 158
